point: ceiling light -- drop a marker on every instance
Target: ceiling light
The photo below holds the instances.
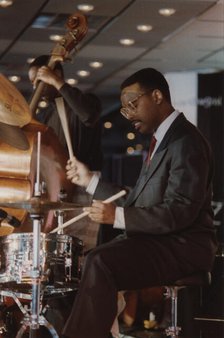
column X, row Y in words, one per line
column 130, row 150
column 72, row 81
column 96, row 64
column 42, row 104
column 14, row 78
column 55, row 37
column 5, row 3
column 167, row 11
column 83, row 73
column 130, row 136
column 139, row 147
column 144, row 28
column 127, row 42
column 107, row 125
column 85, row 7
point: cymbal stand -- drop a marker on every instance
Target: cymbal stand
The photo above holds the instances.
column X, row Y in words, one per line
column 60, row 220
column 35, row 319
column 60, row 213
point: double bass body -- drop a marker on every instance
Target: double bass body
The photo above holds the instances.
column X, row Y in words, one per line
column 18, row 172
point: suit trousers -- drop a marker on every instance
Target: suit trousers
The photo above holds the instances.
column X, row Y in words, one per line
column 122, row 264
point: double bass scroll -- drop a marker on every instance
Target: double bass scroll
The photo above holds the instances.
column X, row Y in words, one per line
column 77, row 29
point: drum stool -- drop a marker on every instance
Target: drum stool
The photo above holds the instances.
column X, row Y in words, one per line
column 202, row 278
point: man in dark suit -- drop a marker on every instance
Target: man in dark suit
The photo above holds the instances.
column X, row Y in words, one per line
column 167, row 217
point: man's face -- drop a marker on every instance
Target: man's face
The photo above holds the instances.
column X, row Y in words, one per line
column 141, row 108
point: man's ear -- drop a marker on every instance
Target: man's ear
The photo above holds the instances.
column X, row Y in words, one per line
column 157, row 96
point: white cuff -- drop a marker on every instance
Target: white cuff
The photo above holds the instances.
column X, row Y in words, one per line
column 93, row 183
column 119, row 222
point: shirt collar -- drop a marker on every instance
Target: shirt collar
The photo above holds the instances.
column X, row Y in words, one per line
column 164, row 126
column 162, row 129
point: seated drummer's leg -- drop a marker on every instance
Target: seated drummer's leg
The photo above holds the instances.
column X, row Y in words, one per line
column 125, row 264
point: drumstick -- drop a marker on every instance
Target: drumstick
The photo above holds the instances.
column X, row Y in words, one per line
column 85, row 213
column 64, row 122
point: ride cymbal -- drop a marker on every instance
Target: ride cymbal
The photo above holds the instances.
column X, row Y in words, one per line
column 37, row 205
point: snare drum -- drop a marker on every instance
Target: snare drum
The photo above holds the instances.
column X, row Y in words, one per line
column 64, row 256
column 59, row 255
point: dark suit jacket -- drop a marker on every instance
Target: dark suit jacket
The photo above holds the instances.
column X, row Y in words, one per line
column 172, row 197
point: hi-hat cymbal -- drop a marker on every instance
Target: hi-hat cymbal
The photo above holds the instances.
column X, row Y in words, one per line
column 36, row 205
column 14, row 110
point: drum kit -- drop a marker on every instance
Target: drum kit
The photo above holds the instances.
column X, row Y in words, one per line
column 37, row 265
column 34, row 266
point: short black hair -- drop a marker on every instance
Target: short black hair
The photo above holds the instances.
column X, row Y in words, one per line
column 43, row 60
column 149, row 78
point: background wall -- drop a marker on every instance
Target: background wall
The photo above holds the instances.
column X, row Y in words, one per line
column 183, row 88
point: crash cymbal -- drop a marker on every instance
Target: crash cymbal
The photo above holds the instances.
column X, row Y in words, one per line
column 14, row 110
column 37, row 205
column 13, row 136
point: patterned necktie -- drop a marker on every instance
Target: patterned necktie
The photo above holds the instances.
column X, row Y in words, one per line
column 151, row 148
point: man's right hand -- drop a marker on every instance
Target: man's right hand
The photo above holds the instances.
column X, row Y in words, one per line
column 78, row 172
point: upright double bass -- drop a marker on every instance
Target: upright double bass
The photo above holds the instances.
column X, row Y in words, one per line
column 18, row 166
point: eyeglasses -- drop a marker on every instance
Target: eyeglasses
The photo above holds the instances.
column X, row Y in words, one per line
column 131, row 107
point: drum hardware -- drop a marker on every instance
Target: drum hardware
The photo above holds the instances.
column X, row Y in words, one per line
column 36, row 207
column 60, row 219
column 60, row 213
column 33, row 320
column 27, row 312
column 29, row 260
